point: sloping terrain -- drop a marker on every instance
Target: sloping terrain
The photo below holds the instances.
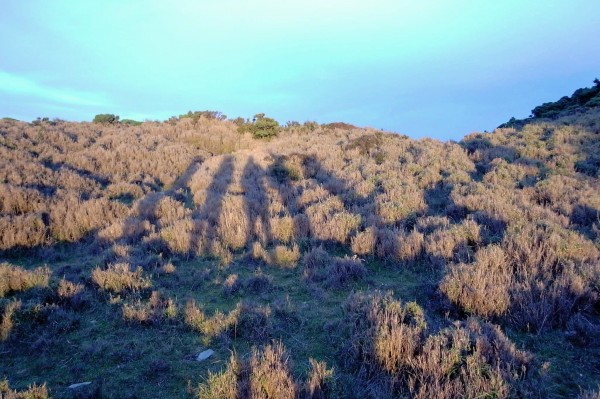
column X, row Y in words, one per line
column 331, row 261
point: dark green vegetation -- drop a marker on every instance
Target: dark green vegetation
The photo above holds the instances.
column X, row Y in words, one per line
column 106, row 118
column 327, row 262
column 580, row 101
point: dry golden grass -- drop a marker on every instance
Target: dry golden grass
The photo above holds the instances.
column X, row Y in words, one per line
column 390, row 340
column 511, row 219
column 483, row 287
column 120, row 277
column 14, row 278
column 6, row 321
column 154, row 311
column 32, row 392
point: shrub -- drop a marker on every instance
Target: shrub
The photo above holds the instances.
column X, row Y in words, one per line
column 285, row 257
column 32, row 392
column 15, row 278
column 282, row 229
column 253, row 321
column 590, row 394
column 106, row 118
column 281, row 255
column 409, row 246
column 266, row 375
column 344, row 270
column 119, row 277
column 263, row 127
column 316, row 262
column 6, row 322
column 231, row 284
column 154, row 311
column 71, row 293
column 364, row 242
column 213, row 326
column 482, row 287
column 320, row 384
column 258, row 282
column 388, row 345
column 551, row 275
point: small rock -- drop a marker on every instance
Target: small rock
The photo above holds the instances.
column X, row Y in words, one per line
column 79, row 385
column 205, row 355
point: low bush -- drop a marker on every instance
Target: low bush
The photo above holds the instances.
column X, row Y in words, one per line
column 231, row 285
column 32, row 392
column 281, row 255
column 6, row 321
column 258, row 282
column 106, row 118
column 266, row 375
column 14, row 278
column 154, row 311
column 211, row 326
column 344, row 270
column 119, row 277
column 389, row 352
column 316, row 262
column 483, row 287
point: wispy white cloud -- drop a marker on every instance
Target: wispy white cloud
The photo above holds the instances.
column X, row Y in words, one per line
column 16, row 85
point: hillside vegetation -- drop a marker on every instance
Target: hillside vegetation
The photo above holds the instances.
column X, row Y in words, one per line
column 327, row 262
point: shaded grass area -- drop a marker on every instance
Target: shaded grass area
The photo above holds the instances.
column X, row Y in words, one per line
column 61, row 344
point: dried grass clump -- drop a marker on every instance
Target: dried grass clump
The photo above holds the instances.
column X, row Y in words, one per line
column 211, row 326
column 234, row 228
column 282, row 229
column 167, row 211
column 32, row 392
column 71, row 219
column 178, row 236
column 156, row 310
column 388, row 350
column 364, row 242
column 443, row 243
column 385, row 247
column 483, row 287
column 552, row 275
column 253, row 322
column 266, row 375
column 590, row 394
column 119, row 277
column 68, row 289
column 316, row 262
column 231, row 285
column 281, row 255
column 22, row 231
column 71, row 294
column 246, row 320
column 399, row 202
column 409, row 246
column 6, row 322
column 384, row 333
column 258, row 282
column 320, row 381
column 285, row 257
column 16, row 200
column 223, row 385
column 329, row 221
column 15, row 278
column 344, row 270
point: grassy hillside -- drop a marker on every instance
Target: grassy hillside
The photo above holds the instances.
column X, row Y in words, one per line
column 329, row 262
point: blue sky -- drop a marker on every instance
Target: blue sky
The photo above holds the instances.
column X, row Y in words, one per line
column 440, row 69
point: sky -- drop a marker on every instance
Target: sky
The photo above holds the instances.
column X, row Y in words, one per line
column 437, row 68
